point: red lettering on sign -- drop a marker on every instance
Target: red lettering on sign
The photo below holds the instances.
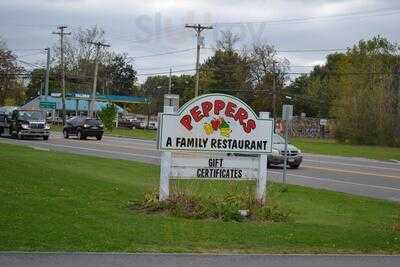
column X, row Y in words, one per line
column 241, row 115
column 196, row 114
column 251, row 125
column 206, row 107
column 218, row 106
column 230, row 109
column 187, row 122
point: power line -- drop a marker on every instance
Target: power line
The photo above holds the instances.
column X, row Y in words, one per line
column 28, row 49
column 28, row 55
column 303, row 50
column 155, row 36
column 377, row 12
column 162, row 54
column 312, row 50
column 29, row 63
column 165, row 72
column 164, row 67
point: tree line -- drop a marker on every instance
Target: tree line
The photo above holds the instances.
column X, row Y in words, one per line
column 359, row 88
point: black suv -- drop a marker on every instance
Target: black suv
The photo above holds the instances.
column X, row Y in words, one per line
column 83, row 127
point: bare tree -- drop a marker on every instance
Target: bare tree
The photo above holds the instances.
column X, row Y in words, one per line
column 268, row 74
column 227, row 41
column 10, row 86
column 80, row 54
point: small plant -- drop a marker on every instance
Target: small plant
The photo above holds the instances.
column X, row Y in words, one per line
column 396, row 225
column 271, row 213
column 107, row 115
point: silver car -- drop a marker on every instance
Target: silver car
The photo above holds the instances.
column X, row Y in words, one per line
column 294, row 154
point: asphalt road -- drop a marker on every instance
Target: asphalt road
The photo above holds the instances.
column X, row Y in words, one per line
column 358, row 176
column 166, row 260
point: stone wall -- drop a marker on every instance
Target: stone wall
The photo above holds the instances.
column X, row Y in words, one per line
column 307, row 127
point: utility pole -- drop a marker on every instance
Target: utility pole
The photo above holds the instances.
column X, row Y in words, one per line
column 96, row 68
column 273, row 91
column 398, row 101
column 46, row 85
column 198, row 29
column 62, row 33
column 170, row 81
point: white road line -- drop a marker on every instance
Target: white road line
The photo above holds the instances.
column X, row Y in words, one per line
column 352, row 165
column 338, row 181
column 101, row 143
column 90, row 149
column 353, row 172
column 116, row 139
column 107, row 151
column 350, row 159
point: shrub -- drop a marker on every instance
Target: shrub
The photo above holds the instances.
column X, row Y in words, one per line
column 107, row 115
column 396, row 225
column 225, row 207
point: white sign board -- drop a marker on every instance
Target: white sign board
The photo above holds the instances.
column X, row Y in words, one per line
column 216, row 122
column 214, row 125
column 214, row 167
column 323, row 122
column 287, row 112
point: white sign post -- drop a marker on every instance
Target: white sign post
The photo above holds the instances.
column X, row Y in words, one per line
column 195, row 141
column 262, row 170
column 166, row 159
column 287, row 116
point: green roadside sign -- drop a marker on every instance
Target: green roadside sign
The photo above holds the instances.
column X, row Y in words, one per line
column 47, row 104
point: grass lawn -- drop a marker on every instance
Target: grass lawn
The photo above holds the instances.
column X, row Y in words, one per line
column 121, row 132
column 63, row 202
column 331, row 147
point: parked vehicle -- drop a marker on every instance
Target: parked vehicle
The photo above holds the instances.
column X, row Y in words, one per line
column 277, row 157
column 25, row 123
column 294, row 155
column 83, row 127
column 153, row 125
column 140, row 124
column 5, row 117
column 126, row 124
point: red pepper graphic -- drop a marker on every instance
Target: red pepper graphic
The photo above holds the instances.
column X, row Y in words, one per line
column 215, row 123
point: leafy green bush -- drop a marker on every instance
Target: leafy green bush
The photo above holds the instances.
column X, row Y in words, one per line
column 107, row 115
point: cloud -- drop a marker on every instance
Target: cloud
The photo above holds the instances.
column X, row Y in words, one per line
column 155, row 26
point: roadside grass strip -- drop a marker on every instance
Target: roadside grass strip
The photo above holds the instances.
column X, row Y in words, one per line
column 333, row 148
column 54, row 201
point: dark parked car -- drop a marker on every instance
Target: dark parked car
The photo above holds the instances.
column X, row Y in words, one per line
column 83, row 127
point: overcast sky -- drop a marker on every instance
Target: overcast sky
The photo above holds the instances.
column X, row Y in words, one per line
column 147, row 27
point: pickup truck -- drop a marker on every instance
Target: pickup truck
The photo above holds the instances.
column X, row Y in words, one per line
column 25, row 123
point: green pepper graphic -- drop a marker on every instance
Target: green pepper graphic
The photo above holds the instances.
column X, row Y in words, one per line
column 225, row 129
